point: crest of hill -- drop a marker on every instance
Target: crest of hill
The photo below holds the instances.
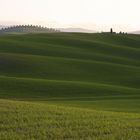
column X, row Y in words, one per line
column 27, row 29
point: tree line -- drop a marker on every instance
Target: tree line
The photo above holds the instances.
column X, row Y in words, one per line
column 28, row 29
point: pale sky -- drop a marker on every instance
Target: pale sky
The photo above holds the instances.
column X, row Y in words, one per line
column 97, row 15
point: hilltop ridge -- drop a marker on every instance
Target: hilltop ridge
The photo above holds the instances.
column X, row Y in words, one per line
column 27, row 29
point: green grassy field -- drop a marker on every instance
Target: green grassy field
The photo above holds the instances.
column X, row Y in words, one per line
column 70, row 86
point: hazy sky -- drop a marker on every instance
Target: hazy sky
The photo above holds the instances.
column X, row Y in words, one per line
column 91, row 14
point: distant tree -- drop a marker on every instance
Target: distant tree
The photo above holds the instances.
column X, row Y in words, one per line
column 111, row 30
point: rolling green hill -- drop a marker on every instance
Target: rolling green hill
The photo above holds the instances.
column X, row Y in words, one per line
column 34, row 121
column 91, row 75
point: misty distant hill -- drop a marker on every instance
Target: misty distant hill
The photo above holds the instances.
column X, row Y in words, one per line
column 26, row 29
column 136, row 32
column 81, row 30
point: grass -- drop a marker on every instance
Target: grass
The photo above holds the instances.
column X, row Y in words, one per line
column 23, row 120
column 70, row 86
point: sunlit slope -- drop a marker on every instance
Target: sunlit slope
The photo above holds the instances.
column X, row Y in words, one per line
column 24, row 120
column 69, row 65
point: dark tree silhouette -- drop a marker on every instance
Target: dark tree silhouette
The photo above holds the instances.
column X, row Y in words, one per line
column 111, row 30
